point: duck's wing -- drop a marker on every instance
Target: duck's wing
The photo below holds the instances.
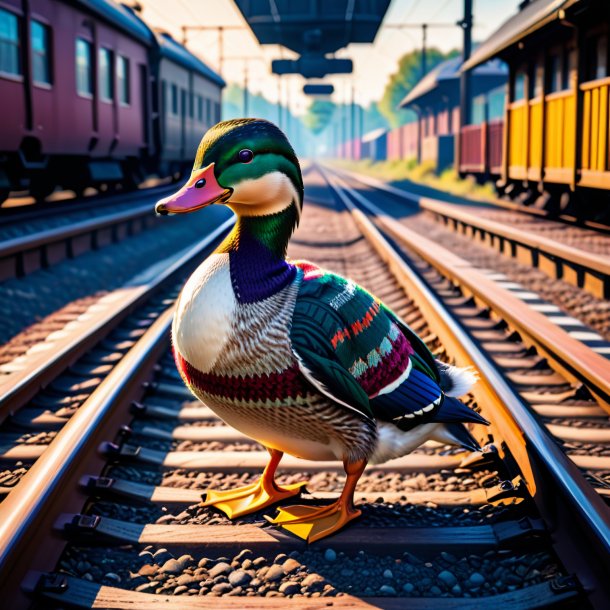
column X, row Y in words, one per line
column 354, row 350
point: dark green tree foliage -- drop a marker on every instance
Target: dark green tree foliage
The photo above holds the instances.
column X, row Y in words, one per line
column 319, row 114
column 401, row 82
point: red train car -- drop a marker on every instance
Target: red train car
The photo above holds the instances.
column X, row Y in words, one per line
column 92, row 96
column 481, row 142
column 436, row 99
column 74, row 82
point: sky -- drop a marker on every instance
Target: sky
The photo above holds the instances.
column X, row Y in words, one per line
column 373, row 63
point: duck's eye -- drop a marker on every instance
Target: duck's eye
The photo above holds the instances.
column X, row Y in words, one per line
column 200, row 183
column 245, row 155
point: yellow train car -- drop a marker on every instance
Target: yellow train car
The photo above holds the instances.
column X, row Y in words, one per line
column 556, row 142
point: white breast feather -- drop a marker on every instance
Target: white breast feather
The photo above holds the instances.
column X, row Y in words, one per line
column 204, row 314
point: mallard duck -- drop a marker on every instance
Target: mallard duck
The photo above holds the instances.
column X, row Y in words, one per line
column 298, row 358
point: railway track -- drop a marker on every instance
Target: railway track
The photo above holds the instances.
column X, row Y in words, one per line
column 580, row 255
column 32, row 241
column 108, row 515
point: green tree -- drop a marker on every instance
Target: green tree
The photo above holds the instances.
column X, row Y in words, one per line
column 405, row 78
column 319, row 115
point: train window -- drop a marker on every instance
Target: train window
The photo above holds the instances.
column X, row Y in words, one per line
column 478, row 110
column 597, row 57
column 191, row 104
column 84, row 70
column 602, row 57
column 174, row 94
column 536, row 79
column 106, row 75
column 519, row 86
column 570, row 68
column 10, row 62
column 200, row 108
column 495, row 103
column 41, row 53
column 123, row 79
column 555, row 73
column 208, row 111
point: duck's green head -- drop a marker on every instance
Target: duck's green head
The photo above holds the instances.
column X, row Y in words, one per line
column 247, row 164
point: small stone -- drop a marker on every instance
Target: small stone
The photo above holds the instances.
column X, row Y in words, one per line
column 512, row 579
column 408, row 587
column 146, row 586
column 456, row 590
column 290, row 588
column 203, row 562
column 313, row 582
column 290, row 565
column 280, row 558
column 274, row 573
column 435, row 590
column 221, row 588
column 146, row 557
column 330, row 555
column 448, row 557
column 476, row 579
column 184, row 561
column 447, row 578
column 247, row 564
column 388, row 574
column 148, row 569
column 87, row 576
column 171, row 566
column 112, row 576
column 219, row 568
column 387, row 590
column 239, row 578
column 259, row 562
column 161, row 556
column 243, row 555
column 187, row 579
column 180, row 589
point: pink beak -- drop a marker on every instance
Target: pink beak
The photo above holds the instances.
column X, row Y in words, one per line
column 201, row 190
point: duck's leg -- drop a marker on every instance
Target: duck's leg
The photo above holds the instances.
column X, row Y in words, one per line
column 253, row 497
column 314, row 522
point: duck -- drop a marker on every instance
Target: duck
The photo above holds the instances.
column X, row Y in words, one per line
column 298, row 358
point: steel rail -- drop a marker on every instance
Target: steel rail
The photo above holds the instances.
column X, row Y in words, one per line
column 558, row 259
column 17, row 388
column 16, row 215
column 548, row 472
column 22, row 255
column 35, row 503
column 571, row 356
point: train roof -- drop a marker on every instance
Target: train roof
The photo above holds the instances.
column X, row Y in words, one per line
column 530, row 18
column 120, row 16
column 176, row 52
column 446, row 73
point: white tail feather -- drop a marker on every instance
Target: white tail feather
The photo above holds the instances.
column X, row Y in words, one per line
column 456, row 381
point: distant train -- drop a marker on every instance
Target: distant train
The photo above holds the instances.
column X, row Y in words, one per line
column 92, row 96
column 545, row 137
